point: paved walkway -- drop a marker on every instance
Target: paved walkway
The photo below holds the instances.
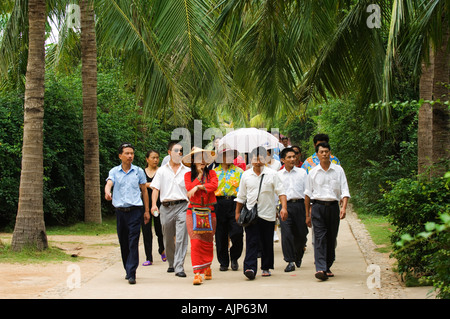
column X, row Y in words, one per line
column 153, row 282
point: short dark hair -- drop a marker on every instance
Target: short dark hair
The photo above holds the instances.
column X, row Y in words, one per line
column 296, row 147
column 151, row 151
column 258, row 151
column 172, row 144
column 285, row 151
column 321, row 137
column 285, row 138
column 125, row 145
column 324, row 145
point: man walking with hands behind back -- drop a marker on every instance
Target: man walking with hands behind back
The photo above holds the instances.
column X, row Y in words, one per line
column 326, row 185
column 293, row 229
column 128, row 181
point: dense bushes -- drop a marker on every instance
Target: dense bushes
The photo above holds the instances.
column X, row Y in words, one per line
column 417, row 208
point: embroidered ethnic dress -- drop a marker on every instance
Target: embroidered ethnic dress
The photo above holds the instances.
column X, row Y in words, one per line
column 202, row 245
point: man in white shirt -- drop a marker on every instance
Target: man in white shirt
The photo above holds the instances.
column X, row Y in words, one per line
column 293, row 229
column 262, row 230
column 168, row 183
column 326, row 185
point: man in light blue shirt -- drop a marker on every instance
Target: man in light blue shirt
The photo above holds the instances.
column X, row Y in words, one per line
column 129, row 198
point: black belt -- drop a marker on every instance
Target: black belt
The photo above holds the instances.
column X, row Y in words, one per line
column 173, row 202
column 298, row 200
column 226, row 197
column 127, row 209
column 326, row 203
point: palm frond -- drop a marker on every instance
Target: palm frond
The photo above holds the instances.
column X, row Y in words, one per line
column 349, row 62
column 14, row 38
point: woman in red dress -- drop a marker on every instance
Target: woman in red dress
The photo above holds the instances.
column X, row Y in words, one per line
column 201, row 183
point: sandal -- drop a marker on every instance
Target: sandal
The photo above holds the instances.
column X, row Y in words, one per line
column 266, row 273
column 208, row 274
column 329, row 273
column 197, row 279
column 163, row 257
column 147, row 263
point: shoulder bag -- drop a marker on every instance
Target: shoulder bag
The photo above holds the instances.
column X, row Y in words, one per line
column 201, row 218
column 249, row 216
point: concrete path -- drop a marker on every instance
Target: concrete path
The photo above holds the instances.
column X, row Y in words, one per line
column 153, row 282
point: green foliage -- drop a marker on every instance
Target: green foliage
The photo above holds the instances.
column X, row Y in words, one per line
column 300, row 132
column 371, row 155
column 419, row 210
column 11, row 117
column 120, row 119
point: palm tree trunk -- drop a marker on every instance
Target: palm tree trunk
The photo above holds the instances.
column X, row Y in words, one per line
column 425, row 125
column 30, row 227
column 434, row 125
column 441, row 123
column 92, row 195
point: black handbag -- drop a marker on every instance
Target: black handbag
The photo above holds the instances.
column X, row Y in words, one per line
column 249, row 216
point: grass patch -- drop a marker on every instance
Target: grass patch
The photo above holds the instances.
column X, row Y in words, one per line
column 107, row 227
column 30, row 255
column 53, row 254
column 379, row 229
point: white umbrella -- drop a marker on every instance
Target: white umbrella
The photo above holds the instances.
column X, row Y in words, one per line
column 244, row 140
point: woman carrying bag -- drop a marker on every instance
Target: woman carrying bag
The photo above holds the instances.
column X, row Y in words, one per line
column 200, row 219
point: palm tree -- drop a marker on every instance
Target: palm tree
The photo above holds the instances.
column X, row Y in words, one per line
column 63, row 56
column 168, row 53
column 92, row 196
column 434, row 117
column 327, row 49
column 30, row 226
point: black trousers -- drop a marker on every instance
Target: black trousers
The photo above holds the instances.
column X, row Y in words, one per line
column 128, row 231
column 325, row 220
column 227, row 228
column 148, row 236
column 293, row 232
column 259, row 236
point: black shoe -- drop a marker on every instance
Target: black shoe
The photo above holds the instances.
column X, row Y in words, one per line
column 131, row 281
column 234, row 265
column 322, row 275
column 170, row 269
column 298, row 264
column 250, row 274
column 181, row 274
column 223, row 268
column 290, row 267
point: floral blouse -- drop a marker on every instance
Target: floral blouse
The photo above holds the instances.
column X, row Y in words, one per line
column 229, row 181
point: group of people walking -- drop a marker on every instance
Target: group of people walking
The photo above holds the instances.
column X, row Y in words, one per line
column 200, row 196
